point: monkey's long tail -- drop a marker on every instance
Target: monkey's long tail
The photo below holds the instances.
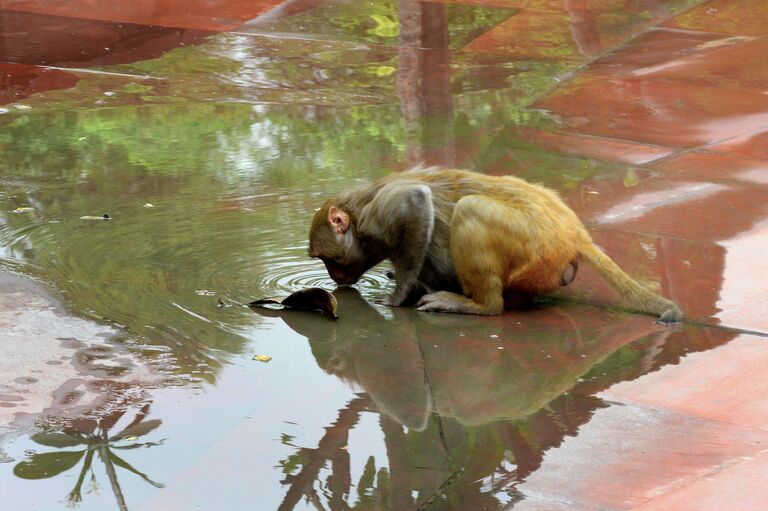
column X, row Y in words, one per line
column 634, row 294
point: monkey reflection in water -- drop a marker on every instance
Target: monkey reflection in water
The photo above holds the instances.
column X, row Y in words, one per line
column 465, row 242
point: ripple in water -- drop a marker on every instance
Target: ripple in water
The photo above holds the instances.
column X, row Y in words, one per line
column 293, row 274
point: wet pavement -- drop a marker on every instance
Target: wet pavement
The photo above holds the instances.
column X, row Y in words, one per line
column 210, row 131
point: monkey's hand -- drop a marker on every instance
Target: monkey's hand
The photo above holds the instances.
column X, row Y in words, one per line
column 397, row 299
column 388, row 301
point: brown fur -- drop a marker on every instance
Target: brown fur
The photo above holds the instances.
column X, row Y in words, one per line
column 464, row 241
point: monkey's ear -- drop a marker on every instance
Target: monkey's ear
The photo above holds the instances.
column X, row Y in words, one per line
column 338, row 220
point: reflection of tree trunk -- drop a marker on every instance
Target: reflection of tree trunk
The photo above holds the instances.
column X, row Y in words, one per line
column 436, row 85
column 397, row 454
column 408, row 80
column 340, row 480
column 334, row 439
column 111, row 473
column 424, row 83
column 526, row 458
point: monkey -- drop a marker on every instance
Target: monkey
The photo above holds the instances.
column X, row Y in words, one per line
column 465, row 242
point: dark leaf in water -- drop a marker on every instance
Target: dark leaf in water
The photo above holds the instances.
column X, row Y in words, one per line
column 42, row 466
column 137, row 430
column 312, row 298
column 54, row 439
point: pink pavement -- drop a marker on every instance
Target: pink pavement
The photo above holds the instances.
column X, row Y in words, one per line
column 685, row 103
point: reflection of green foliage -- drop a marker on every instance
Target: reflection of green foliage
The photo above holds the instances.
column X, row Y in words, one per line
column 293, row 463
column 378, row 22
column 385, row 26
column 136, row 88
column 188, row 59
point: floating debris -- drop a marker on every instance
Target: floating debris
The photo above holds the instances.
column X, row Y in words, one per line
column 102, row 217
column 313, row 298
column 148, row 205
column 25, row 209
column 205, row 292
column 262, row 358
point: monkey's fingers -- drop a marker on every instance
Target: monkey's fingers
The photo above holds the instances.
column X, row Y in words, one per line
column 384, row 300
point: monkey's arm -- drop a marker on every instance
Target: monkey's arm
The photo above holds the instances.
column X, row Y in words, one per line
column 402, row 215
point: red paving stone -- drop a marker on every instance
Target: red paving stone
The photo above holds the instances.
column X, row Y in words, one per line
column 712, row 166
column 628, row 455
column 696, row 58
column 742, row 486
column 714, row 385
column 667, row 114
column 743, row 17
column 688, row 209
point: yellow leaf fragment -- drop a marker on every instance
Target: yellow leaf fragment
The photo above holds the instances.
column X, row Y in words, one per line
column 262, row 358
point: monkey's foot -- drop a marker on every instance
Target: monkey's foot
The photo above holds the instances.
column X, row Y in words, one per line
column 670, row 317
column 445, row 301
column 442, row 301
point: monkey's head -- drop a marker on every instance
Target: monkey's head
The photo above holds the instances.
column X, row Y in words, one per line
column 333, row 240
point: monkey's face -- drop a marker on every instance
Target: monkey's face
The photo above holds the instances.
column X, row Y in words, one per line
column 343, row 256
column 345, row 274
column 333, row 239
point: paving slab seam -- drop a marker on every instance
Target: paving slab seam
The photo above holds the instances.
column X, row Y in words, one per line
column 601, row 138
column 96, row 72
column 576, row 506
column 651, row 166
column 726, row 139
column 438, row 419
column 723, row 467
column 607, row 228
column 595, row 74
column 699, row 323
column 653, row 408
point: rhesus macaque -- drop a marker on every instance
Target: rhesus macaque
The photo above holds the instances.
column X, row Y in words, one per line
column 464, row 242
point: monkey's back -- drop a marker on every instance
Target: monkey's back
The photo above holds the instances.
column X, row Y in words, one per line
column 543, row 222
column 541, row 204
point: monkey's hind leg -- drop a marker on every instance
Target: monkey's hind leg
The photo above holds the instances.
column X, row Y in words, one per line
column 488, row 245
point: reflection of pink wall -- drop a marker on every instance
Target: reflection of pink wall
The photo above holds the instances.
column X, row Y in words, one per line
column 48, row 40
column 18, row 81
column 190, row 14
